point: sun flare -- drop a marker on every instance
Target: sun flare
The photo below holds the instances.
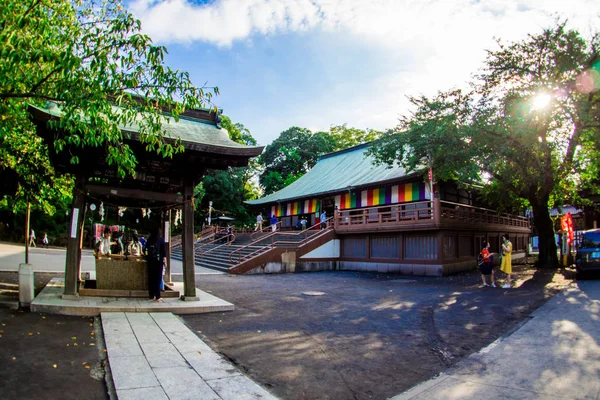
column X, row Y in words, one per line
column 541, row 100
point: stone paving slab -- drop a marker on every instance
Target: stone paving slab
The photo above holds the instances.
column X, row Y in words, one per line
column 50, row 301
column 155, row 356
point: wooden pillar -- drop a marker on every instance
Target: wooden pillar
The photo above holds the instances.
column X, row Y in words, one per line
column 437, row 210
column 167, row 235
column 74, row 240
column 187, row 243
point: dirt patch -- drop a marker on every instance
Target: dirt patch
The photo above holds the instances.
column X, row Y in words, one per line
column 368, row 336
column 50, row 356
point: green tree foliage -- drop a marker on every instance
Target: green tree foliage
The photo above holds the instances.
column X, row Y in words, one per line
column 530, row 127
column 297, row 150
column 89, row 57
column 291, row 155
column 229, row 189
column 345, row 137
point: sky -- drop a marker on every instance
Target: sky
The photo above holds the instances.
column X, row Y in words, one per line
column 318, row 63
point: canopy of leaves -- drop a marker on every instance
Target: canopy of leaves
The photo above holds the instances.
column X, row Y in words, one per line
column 88, row 57
column 229, row 189
column 297, row 150
column 530, row 127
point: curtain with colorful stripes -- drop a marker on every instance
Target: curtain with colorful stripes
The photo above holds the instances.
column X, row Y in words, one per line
column 295, row 208
column 381, row 196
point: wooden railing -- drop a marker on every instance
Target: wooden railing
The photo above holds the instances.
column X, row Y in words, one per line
column 462, row 212
column 422, row 213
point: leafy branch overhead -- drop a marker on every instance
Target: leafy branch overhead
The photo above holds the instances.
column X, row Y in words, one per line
column 90, row 57
column 529, row 127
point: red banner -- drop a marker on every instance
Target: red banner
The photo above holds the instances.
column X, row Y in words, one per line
column 566, row 225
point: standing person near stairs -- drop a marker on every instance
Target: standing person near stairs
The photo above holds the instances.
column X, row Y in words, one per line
column 259, row 222
column 273, row 223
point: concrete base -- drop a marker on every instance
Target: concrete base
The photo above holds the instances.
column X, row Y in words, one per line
column 26, row 284
column 51, row 301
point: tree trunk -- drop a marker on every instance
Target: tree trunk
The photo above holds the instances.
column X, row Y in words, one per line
column 545, row 229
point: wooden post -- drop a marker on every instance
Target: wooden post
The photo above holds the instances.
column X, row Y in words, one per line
column 167, row 234
column 27, row 231
column 73, row 241
column 437, row 211
column 187, row 243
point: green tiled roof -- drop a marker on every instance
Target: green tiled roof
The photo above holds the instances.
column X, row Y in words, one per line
column 195, row 134
column 336, row 172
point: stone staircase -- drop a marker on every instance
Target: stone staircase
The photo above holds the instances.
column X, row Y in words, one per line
column 217, row 256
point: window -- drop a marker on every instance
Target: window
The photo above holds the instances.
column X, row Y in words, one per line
column 354, row 248
column 465, row 246
column 420, row 247
column 384, row 247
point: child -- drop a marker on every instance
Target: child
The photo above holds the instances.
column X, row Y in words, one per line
column 486, row 265
column 45, row 240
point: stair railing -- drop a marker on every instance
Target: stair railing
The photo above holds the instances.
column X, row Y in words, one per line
column 267, row 229
column 309, row 233
column 228, row 242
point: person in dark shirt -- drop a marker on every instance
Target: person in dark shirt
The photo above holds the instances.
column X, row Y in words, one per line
column 156, row 256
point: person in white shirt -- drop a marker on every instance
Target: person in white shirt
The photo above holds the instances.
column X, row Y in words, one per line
column 259, row 222
column 103, row 245
column 135, row 247
column 32, row 238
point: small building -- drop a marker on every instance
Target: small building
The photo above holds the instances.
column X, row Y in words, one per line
column 386, row 219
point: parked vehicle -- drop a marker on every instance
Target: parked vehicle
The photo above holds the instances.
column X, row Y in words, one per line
column 588, row 253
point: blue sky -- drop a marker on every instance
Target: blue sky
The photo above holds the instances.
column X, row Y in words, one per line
column 317, row 63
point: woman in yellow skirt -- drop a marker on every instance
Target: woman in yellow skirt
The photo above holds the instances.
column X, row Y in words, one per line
column 506, row 264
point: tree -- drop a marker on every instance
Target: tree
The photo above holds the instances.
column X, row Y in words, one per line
column 345, row 137
column 92, row 59
column 229, row 189
column 291, row 155
column 530, row 127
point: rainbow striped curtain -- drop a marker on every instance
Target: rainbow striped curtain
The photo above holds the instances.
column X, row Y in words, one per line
column 295, row 208
column 382, row 196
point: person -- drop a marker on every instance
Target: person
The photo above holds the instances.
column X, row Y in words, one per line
column 117, row 247
column 259, row 222
column 32, row 238
column 143, row 242
column 298, row 224
column 323, row 220
column 135, row 247
column 506, row 263
column 486, row 265
column 273, row 223
column 156, row 256
column 229, row 233
column 103, row 245
column 45, row 240
column 303, row 223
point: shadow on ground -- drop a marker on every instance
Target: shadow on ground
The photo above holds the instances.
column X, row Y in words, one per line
column 369, row 336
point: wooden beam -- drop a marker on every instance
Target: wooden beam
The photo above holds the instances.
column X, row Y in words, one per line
column 134, row 193
column 73, row 241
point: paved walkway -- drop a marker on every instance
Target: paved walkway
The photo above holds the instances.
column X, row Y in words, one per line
column 554, row 355
column 155, row 356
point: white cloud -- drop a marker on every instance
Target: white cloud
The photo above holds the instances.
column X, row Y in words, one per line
column 385, row 21
column 445, row 38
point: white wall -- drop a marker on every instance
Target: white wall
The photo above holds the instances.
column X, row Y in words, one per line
column 330, row 249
